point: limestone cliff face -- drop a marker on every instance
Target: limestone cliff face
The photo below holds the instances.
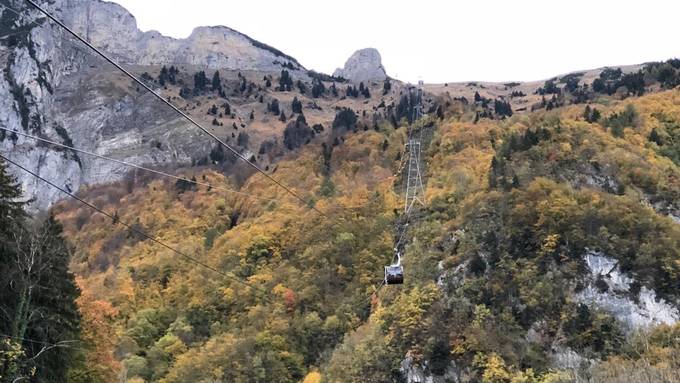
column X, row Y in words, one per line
column 34, row 61
column 52, row 86
column 363, row 65
column 643, row 309
column 112, row 28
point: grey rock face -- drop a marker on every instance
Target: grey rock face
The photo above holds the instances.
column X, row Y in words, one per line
column 675, row 218
column 363, row 65
column 34, row 61
column 54, row 87
column 414, row 373
column 648, row 310
column 112, row 28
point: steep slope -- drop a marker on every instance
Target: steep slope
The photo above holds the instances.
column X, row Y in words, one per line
column 548, row 248
column 507, row 267
column 538, row 256
column 317, row 272
column 54, row 87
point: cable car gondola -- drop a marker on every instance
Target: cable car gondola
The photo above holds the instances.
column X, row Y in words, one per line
column 394, row 273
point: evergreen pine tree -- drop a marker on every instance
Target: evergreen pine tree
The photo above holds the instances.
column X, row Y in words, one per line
column 302, row 87
column 502, row 108
column 296, row 105
column 352, row 91
column 274, row 107
column 387, row 86
column 318, row 88
column 200, row 82
column 37, row 291
column 598, row 85
column 12, row 218
column 59, row 320
column 493, row 173
column 366, row 92
column 11, row 210
column 216, row 82
column 172, row 75
column 185, row 92
column 595, row 115
column 655, row 137
column 301, row 119
column 217, row 154
column 163, row 76
column 285, row 81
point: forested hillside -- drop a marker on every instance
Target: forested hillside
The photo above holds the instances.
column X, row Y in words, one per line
column 135, row 247
column 497, row 266
column 501, row 284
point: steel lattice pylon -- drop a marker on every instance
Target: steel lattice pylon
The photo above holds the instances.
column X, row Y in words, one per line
column 415, row 192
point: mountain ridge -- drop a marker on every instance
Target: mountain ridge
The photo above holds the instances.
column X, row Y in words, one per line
column 39, row 63
column 114, row 29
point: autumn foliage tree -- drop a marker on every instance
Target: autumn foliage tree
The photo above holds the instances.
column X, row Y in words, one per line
column 492, row 261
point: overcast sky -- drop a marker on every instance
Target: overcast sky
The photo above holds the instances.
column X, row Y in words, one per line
column 440, row 41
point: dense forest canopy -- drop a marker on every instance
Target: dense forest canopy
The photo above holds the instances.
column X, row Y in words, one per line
column 495, row 263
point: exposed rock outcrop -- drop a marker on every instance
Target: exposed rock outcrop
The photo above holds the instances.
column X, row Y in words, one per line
column 645, row 310
column 414, row 373
column 363, row 65
column 111, row 27
column 54, row 87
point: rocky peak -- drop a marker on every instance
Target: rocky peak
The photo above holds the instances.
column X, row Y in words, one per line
column 364, row 65
column 112, row 28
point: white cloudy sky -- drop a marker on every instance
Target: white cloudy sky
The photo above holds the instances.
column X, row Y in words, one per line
column 492, row 40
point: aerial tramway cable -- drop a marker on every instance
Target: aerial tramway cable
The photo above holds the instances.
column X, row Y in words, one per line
column 155, row 94
column 394, row 273
column 132, row 228
column 60, row 344
column 159, row 172
column 176, row 109
column 182, row 114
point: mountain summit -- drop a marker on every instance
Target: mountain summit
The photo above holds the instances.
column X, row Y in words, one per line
column 364, row 65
